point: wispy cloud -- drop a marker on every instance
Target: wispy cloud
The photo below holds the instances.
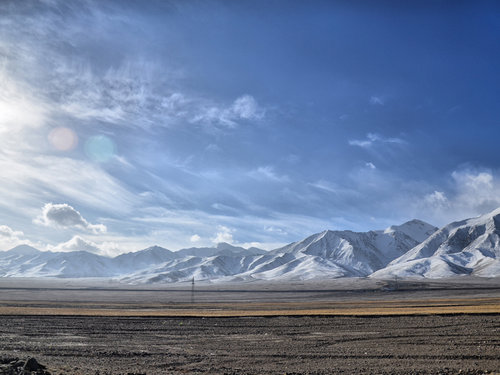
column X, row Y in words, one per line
column 377, row 100
column 244, row 108
column 132, row 96
column 43, row 177
column 326, row 186
column 372, row 139
column 122, row 90
column 267, row 172
column 174, row 229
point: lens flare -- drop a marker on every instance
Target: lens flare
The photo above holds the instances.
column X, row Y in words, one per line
column 63, row 139
column 100, row 148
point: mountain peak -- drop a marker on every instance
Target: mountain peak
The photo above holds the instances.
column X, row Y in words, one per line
column 225, row 246
column 24, row 250
column 482, row 219
column 417, row 229
column 155, row 248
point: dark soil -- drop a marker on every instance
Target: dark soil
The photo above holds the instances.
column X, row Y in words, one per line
column 460, row 344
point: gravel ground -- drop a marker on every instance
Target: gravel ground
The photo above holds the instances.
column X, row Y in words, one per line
column 459, row 344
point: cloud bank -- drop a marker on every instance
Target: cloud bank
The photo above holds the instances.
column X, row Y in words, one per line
column 65, row 216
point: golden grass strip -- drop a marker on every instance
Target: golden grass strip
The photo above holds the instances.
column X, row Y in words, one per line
column 363, row 308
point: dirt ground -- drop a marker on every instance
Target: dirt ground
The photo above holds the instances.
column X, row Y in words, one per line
column 450, row 327
column 458, row 344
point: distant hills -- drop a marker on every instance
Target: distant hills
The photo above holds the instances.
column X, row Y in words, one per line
column 413, row 249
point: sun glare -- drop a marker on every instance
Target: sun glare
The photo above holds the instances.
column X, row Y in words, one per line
column 100, row 148
column 63, row 139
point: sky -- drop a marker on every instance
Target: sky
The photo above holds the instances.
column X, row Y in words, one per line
column 126, row 124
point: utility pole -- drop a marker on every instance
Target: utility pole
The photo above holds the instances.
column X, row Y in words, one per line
column 192, row 290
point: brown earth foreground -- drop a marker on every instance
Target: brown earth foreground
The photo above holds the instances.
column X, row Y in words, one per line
column 278, row 329
column 432, row 344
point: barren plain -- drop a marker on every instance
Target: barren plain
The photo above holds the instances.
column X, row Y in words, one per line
column 356, row 326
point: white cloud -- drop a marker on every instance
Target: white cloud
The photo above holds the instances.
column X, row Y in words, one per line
column 477, row 191
column 195, row 238
column 373, row 139
column 437, row 199
column 246, row 107
column 370, row 165
column 224, row 234
column 77, row 243
column 65, row 216
column 471, row 193
column 474, row 181
column 7, row 232
column 10, row 238
column 377, row 100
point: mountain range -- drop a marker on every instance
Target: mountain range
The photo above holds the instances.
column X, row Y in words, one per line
column 413, row 249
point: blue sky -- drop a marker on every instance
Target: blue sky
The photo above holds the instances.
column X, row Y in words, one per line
column 185, row 123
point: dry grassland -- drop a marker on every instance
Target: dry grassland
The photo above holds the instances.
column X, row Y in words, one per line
column 242, row 309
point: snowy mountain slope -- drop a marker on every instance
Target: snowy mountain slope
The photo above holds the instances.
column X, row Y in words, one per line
column 35, row 263
column 360, row 254
column 417, row 229
column 414, row 248
column 221, row 248
column 21, row 250
column 149, row 257
column 302, row 268
column 469, row 246
column 26, row 261
column 326, row 254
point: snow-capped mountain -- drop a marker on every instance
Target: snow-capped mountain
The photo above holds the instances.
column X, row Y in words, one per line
column 26, row 261
column 414, row 248
column 130, row 262
column 328, row 254
column 360, row 254
column 465, row 247
column 221, row 248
